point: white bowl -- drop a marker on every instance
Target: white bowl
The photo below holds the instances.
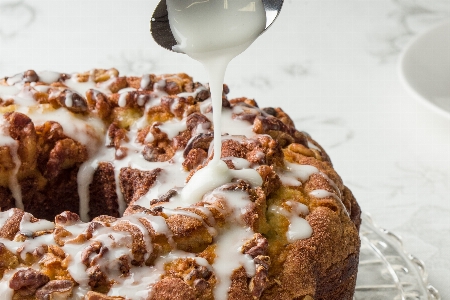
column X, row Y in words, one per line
column 424, row 68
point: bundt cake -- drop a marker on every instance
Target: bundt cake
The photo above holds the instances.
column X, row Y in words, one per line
column 107, row 157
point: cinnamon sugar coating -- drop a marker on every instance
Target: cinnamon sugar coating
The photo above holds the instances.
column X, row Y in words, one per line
column 107, row 157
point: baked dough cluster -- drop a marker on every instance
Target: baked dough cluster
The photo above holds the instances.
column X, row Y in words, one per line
column 92, row 169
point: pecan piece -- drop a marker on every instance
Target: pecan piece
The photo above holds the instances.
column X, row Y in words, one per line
column 97, row 279
column 195, row 158
column 118, row 84
column 200, row 141
column 27, row 281
column 55, row 289
column 260, row 281
column 117, row 135
column 159, row 153
column 30, row 76
column 202, row 95
column 67, row 218
column 99, row 296
column 98, row 103
column 94, row 247
column 73, row 101
column 66, row 154
column 258, row 245
column 172, row 88
column 194, row 120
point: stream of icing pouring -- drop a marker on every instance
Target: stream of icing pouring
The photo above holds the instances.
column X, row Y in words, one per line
column 213, row 33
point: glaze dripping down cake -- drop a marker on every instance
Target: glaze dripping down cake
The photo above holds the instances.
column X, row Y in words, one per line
column 92, row 166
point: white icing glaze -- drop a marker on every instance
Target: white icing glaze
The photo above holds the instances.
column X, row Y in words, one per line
column 48, row 76
column 4, row 216
column 323, row 194
column 217, row 174
column 6, row 91
column 173, row 127
column 123, row 96
column 26, row 227
column 312, row 146
column 302, row 172
column 5, row 291
column 145, row 81
column 229, row 257
column 299, row 228
column 82, row 87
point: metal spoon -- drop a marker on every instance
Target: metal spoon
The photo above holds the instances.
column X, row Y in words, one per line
column 160, row 28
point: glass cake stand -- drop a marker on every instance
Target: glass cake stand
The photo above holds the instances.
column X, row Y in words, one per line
column 386, row 270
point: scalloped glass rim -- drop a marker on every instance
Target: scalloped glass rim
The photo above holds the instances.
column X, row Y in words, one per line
column 386, row 270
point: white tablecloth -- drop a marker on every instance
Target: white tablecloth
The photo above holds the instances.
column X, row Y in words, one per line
column 331, row 64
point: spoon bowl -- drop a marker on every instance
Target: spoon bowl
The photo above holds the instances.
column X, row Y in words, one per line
column 162, row 34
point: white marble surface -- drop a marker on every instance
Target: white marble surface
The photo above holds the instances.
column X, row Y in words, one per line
column 331, row 64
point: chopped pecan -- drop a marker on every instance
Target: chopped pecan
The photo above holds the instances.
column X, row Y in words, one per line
column 244, row 101
column 27, row 281
column 159, row 153
column 99, row 296
column 146, row 82
column 164, row 198
column 6, row 102
column 201, row 285
column 172, row 88
column 273, row 126
column 225, row 102
column 124, row 265
column 134, row 209
column 270, row 111
column 199, row 141
column 264, row 124
column 97, row 279
column 179, row 106
column 301, row 149
column 118, row 84
column 117, row 135
column 55, row 289
column 198, row 272
column 22, row 129
column 260, row 281
column 258, row 245
column 196, row 119
column 225, row 89
column 195, row 158
column 101, row 75
column 98, row 103
column 67, row 218
column 271, row 180
column 73, row 101
column 57, row 251
column 94, row 247
column 202, row 95
column 66, row 154
column 283, row 117
column 30, row 76
column 191, row 87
